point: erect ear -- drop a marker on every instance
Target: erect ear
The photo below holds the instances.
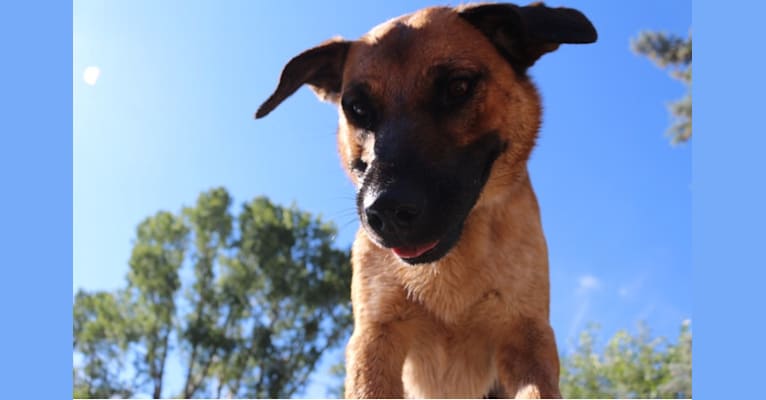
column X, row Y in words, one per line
column 523, row 34
column 321, row 67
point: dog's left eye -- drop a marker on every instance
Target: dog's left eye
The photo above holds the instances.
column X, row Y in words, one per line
column 456, row 91
column 458, row 88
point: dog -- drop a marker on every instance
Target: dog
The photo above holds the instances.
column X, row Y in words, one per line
column 437, row 119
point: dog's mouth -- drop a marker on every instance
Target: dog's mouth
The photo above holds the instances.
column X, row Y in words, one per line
column 413, row 252
column 422, row 252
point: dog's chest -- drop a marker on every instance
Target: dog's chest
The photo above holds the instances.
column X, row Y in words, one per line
column 455, row 358
column 458, row 298
column 444, row 365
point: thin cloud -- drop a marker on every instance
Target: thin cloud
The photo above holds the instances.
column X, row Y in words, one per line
column 629, row 290
column 578, row 318
column 91, row 75
column 588, row 283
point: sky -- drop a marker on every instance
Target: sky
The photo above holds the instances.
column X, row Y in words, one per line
column 164, row 96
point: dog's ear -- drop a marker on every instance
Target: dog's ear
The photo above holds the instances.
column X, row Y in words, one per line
column 321, row 67
column 523, row 34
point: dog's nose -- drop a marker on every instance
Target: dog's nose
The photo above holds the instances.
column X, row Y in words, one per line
column 394, row 211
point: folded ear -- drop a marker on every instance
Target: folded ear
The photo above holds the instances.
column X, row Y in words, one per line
column 321, row 67
column 523, row 34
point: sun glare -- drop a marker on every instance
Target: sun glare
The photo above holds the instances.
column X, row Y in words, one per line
column 91, row 74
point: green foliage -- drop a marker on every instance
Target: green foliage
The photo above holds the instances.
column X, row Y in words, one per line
column 264, row 297
column 203, row 338
column 669, row 51
column 153, row 282
column 101, row 336
column 338, row 372
column 297, row 299
column 630, row 366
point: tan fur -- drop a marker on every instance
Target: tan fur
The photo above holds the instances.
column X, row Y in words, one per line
column 474, row 322
column 480, row 314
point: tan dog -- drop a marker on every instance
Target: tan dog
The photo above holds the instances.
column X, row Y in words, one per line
column 437, row 118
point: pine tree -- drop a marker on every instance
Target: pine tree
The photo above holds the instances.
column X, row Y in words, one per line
column 675, row 54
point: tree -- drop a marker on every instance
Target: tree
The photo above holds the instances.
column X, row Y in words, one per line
column 153, row 282
column 248, row 307
column 203, row 338
column 250, row 302
column 294, row 307
column 630, row 366
column 675, row 53
column 101, row 337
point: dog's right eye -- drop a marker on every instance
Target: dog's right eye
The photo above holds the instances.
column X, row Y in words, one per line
column 360, row 114
column 359, row 111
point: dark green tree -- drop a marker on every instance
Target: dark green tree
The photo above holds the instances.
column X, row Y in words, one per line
column 101, row 337
column 264, row 295
column 299, row 302
column 675, row 54
column 203, row 333
column 153, row 282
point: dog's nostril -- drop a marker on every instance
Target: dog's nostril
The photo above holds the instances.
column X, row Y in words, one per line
column 373, row 219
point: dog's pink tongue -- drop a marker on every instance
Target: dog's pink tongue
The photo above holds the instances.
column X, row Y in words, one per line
column 414, row 251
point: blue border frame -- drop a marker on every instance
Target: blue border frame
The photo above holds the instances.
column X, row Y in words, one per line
column 36, row 170
column 729, row 197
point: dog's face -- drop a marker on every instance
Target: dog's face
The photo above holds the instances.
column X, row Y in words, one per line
column 436, row 114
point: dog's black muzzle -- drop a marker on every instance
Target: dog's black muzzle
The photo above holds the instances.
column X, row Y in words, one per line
column 416, row 206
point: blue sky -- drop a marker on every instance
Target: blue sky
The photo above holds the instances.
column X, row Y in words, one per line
column 170, row 115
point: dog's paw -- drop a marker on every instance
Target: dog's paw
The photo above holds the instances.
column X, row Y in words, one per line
column 530, row 391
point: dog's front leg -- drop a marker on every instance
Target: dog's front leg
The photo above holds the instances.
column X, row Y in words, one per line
column 374, row 360
column 528, row 363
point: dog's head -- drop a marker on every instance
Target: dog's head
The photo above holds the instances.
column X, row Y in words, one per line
column 436, row 114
